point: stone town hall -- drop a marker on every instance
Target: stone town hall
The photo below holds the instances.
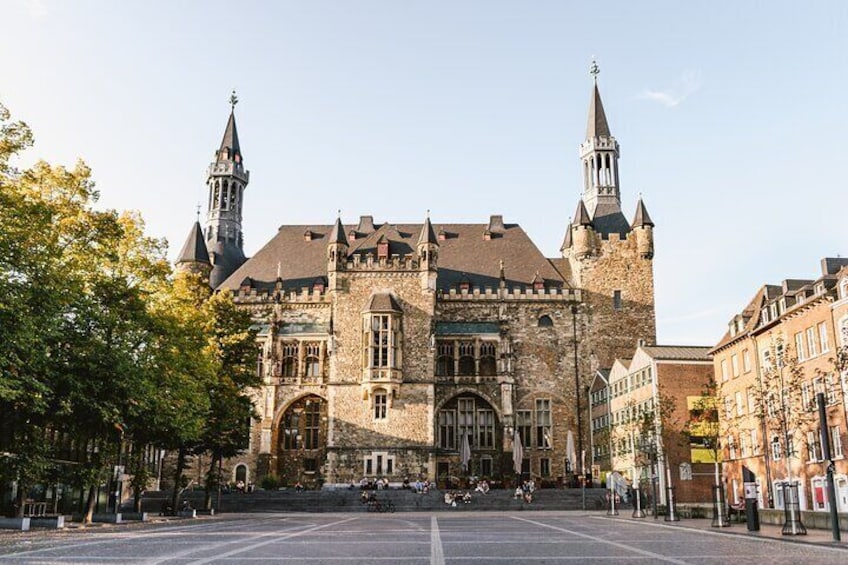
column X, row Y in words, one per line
column 384, row 344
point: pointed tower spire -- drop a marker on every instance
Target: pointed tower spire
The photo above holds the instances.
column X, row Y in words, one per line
column 427, row 234
column 641, row 218
column 227, row 180
column 194, row 257
column 581, row 215
column 337, row 235
column 337, row 247
column 428, row 255
column 599, row 154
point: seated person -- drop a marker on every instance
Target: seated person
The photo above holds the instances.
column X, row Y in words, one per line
column 298, row 487
column 448, row 497
column 466, row 498
column 518, row 492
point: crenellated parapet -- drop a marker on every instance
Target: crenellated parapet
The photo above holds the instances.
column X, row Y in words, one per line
column 518, row 294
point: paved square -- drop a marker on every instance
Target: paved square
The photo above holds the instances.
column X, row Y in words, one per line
column 414, row 538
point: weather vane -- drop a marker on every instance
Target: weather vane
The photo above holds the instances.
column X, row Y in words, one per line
column 198, row 211
column 233, row 100
column 594, row 70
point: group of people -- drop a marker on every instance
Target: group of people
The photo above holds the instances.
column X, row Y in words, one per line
column 452, row 497
column 525, row 491
column 482, row 486
column 365, row 483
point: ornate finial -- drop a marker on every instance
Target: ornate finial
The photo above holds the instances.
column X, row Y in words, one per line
column 233, row 100
column 594, row 70
column 428, row 213
column 339, row 213
column 198, row 211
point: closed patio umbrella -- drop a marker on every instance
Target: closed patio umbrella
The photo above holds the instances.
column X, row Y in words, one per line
column 570, row 452
column 465, row 452
column 517, row 453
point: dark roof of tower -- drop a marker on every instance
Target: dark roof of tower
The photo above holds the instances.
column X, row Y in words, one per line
column 231, row 140
column 463, row 254
column 194, row 249
column 567, row 240
column 427, row 234
column 609, row 219
column 581, row 216
column 338, row 233
column 641, row 218
column 598, row 125
column 227, row 258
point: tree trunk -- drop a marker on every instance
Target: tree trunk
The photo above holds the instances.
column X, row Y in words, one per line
column 19, row 500
column 207, row 500
column 137, row 500
column 178, row 475
column 89, row 504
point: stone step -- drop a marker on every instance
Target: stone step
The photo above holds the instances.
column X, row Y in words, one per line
column 403, row 500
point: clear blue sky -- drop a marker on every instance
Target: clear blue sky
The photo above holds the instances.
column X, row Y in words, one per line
column 731, row 118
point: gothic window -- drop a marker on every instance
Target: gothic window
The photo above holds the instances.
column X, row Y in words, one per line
column 466, row 358
column 289, row 361
column 226, row 196
column 380, row 404
column 290, row 430
column 485, row 429
column 523, row 425
column 465, row 409
column 382, row 343
column 447, row 429
column 313, row 360
column 546, row 322
column 217, row 196
column 444, row 363
column 312, row 414
column 488, row 365
column 543, row 423
column 233, row 194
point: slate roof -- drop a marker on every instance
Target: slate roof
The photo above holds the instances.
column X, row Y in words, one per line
column 598, row 125
column 194, row 249
column 581, row 215
column 678, row 352
column 463, row 255
column 227, row 258
column 608, row 219
column 642, row 218
column 230, row 140
column 383, row 302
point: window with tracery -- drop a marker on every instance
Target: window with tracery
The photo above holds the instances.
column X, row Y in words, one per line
column 444, row 362
column 488, row 363
column 289, row 360
column 466, row 358
column 312, row 367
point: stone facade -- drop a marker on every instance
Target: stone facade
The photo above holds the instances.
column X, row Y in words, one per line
column 384, row 349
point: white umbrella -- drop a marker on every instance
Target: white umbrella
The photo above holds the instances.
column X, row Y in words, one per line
column 465, row 452
column 517, row 453
column 570, row 452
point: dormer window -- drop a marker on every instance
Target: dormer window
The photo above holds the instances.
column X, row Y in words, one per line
column 843, row 288
column 383, row 250
column 820, row 288
column 307, row 235
column 764, row 316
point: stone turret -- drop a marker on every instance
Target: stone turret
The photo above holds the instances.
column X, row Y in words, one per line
column 643, row 227
column 428, row 255
column 194, row 257
column 582, row 233
column 337, row 248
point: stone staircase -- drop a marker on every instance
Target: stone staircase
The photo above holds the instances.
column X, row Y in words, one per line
column 344, row 500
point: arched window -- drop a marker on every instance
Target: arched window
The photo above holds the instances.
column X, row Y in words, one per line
column 289, row 361
column 488, row 364
column 382, row 338
column 226, row 196
column 466, row 358
column 545, row 321
column 312, row 367
column 444, row 362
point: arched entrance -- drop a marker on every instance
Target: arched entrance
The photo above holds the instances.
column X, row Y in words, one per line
column 302, row 442
column 469, row 418
column 241, row 473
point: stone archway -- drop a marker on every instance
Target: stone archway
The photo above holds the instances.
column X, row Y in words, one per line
column 471, row 415
column 301, row 444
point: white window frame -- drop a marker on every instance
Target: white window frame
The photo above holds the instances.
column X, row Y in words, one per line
column 823, row 341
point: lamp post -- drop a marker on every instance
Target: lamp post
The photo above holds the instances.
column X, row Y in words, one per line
column 577, row 387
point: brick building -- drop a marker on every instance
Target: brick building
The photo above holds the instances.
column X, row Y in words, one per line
column 651, row 397
column 776, row 355
column 385, row 345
